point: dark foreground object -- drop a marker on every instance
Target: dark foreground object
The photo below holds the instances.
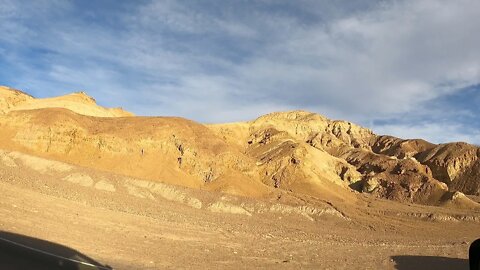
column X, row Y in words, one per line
column 413, row 262
column 18, row 252
column 474, row 255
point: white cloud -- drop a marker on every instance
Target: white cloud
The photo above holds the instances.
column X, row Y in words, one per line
column 436, row 133
column 390, row 59
column 376, row 62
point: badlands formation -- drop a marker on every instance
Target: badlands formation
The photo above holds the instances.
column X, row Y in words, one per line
column 287, row 190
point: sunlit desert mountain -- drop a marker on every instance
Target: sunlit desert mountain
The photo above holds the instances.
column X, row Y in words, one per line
column 288, row 190
column 79, row 102
column 294, row 152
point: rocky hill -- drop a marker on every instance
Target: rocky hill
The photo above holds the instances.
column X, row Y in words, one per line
column 295, row 152
column 80, row 102
column 302, row 146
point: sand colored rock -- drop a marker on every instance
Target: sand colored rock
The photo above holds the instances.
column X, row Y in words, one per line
column 80, row 179
column 37, row 164
column 293, row 165
column 458, row 200
column 170, row 150
column 80, row 102
column 297, row 151
column 11, row 98
column 105, row 185
column 289, row 190
column 455, row 164
column 305, row 152
column 391, row 146
column 306, row 126
column 404, row 180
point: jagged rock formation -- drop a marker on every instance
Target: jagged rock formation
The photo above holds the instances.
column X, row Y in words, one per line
column 455, row 164
column 293, row 165
column 396, row 179
column 283, row 142
column 395, row 147
column 297, row 151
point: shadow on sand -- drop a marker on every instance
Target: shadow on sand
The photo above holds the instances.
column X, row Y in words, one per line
column 411, row 262
column 18, row 252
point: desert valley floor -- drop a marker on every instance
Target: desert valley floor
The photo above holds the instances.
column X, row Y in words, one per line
column 133, row 224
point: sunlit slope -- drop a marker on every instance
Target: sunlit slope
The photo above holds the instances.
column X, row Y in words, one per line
column 292, row 147
column 296, row 152
column 167, row 149
column 80, row 102
column 11, row 98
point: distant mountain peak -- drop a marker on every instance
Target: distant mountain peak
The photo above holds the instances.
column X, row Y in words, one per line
column 83, row 96
column 78, row 102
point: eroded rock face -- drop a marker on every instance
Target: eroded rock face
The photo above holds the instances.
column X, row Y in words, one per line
column 456, row 164
column 295, row 151
column 288, row 164
column 317, row 130
column 303, row 141
column 301, row 147
column 10, row 98
column 370, row 185
column 171, row 150
column 404, row 180
column 391, row 146
column 449, row 161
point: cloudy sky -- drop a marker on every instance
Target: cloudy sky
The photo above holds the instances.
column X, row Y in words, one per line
column 407, row 68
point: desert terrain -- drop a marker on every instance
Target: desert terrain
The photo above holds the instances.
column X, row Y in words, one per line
column 288, row 190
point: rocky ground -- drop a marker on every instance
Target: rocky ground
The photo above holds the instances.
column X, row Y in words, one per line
column 135, row 224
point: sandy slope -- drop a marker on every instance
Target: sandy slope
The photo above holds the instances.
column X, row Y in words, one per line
column 134, row 224
column 166, row 149
column 79, row 102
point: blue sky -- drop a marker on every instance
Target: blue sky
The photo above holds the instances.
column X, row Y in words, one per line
column 406, row 68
